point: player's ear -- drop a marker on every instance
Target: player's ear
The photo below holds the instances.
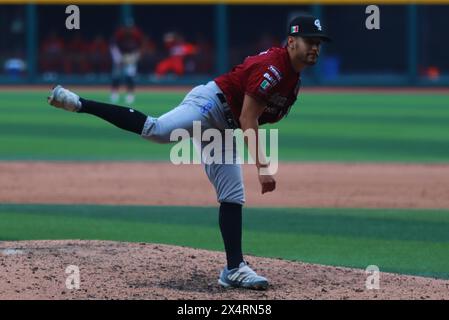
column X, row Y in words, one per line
column 291, row 42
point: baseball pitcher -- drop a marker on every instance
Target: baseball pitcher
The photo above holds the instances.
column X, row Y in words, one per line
column 260, row 90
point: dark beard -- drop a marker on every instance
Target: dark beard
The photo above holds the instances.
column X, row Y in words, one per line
column 311, row 63
column 308, row 62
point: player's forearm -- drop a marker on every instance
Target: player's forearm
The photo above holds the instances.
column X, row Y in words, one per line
column 257, row 154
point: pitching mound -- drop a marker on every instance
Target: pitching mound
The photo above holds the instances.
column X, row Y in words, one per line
column 118, row 270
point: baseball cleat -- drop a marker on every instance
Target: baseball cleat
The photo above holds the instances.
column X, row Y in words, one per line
column 64, row 99
column 242, row 277
column 129, row 99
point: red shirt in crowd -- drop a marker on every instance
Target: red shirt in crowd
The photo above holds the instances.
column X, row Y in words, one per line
column 99, row 46
column 128, row 39
column 77, row 45
column 268, row 77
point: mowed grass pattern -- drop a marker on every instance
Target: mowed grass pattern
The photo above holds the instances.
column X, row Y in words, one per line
column 403, row 241
column 320, row 127
column 355, row 127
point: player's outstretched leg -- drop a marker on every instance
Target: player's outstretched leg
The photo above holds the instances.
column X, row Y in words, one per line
column 158, row 130
column 122, row 117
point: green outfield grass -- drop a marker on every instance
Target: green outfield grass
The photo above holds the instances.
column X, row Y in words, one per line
column 403, row 241
column 320, row 127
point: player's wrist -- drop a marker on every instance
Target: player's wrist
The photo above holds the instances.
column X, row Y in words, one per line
column 261, row 166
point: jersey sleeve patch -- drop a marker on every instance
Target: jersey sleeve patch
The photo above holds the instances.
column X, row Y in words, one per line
column 262, row 81
column 275, row 71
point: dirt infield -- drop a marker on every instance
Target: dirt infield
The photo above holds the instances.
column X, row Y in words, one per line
column 113, row 270
column 298, row 185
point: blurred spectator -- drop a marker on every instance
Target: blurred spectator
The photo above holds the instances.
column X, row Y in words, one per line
column 148, row 57
column 51, row 54
column 99, row 57
column 17, row 31
column 204, row 58
column 430, row 72
column 265, row 42
column 125, row 50
column 15, row 66
column 179, row 52
column 76, row 56
column 240, row 51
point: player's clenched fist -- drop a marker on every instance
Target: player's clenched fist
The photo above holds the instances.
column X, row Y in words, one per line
column 267, row 182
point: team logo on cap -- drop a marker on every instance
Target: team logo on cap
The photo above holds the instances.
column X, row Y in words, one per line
column 318, row 24
column 294, row 29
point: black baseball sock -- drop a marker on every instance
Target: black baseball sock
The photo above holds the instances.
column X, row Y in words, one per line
column 115, row 83
column 130, row 83
column 122, row 117
column 230, row 220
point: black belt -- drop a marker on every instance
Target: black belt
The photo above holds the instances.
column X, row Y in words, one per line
column 233, row 124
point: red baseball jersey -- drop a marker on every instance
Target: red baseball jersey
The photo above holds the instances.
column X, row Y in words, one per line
column 268, row 77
